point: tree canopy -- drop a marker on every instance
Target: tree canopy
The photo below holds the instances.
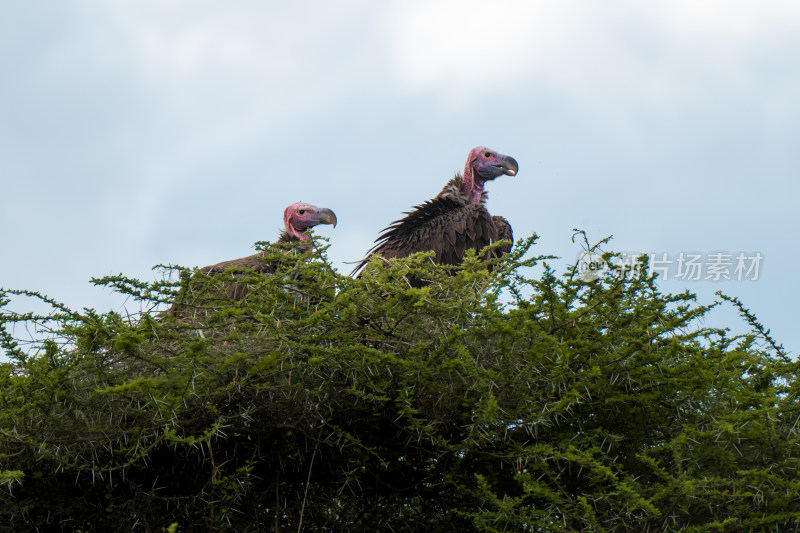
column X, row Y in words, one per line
column 512, row 399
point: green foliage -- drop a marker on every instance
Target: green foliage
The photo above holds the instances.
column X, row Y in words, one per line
column 483, row 401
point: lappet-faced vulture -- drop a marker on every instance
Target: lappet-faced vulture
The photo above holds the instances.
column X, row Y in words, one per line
column 456, row 220
column 297, row 218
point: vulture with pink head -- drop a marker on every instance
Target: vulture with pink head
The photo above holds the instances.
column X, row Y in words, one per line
column 297, row 218
column 456, row 220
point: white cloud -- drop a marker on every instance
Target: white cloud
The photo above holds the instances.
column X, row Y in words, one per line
column 473, row 45
column 606, row 55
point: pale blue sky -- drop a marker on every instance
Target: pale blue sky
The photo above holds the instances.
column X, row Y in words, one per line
column 141, row 132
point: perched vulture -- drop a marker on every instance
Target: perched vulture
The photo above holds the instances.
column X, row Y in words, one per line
column 297, row 218
column 456, row 220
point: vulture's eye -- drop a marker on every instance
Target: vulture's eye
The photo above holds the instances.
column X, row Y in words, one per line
column 301, row 212
column 487, row 155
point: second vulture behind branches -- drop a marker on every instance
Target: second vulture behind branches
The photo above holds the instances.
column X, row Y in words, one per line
column 194, row 303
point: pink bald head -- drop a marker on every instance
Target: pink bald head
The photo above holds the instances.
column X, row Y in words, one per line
column 484, row 164
column 300, row 216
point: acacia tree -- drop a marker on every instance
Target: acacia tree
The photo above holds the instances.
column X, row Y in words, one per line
column 510, row 399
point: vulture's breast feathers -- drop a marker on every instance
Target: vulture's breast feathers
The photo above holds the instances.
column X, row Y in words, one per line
column 445, row 225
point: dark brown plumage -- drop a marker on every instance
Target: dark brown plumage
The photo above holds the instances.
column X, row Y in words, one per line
column 297, row 218
column 456, row 220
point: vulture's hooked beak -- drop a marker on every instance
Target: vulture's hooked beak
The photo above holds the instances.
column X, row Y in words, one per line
column 326, row 216
column 507, row 165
